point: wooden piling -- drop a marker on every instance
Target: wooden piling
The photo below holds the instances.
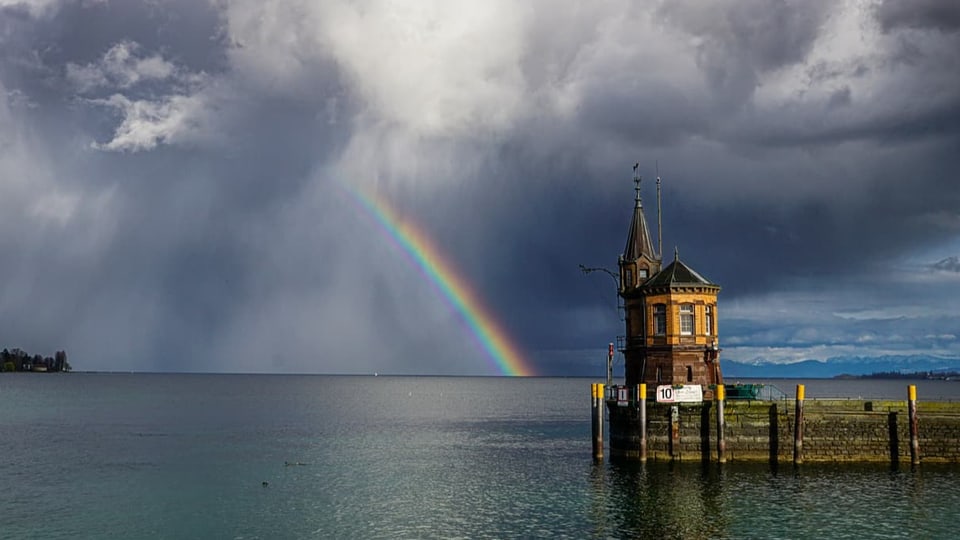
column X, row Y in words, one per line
column 721, row 441
column 642, row 404
column 593, row 417
column 798, row 427
column 914, row 425
column 674, row 432
column 596, row 389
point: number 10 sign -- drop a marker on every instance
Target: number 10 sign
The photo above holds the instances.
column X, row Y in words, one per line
column 690, row 393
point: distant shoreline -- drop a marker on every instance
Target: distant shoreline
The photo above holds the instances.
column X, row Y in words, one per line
column 18, row 360
column 914, row 376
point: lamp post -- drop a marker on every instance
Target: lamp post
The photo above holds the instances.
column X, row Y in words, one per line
column 616, row 281
column 614, row 277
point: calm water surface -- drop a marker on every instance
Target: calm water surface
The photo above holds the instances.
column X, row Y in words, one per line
column 186, row 456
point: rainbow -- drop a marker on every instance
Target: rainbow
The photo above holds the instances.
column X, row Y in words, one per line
column 500, row 349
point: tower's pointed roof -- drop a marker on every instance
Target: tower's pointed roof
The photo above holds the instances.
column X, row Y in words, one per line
column 678, row 273
column 639, row 242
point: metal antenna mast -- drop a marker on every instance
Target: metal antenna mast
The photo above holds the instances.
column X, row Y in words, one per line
column 659, row 219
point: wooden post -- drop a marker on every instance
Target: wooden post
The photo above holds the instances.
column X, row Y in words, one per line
column 601, row 406
column 642, row 401
column 596, row 390
column 721, row 441
column 798, row 428
column 914, row 425
column 593, row 417
column 674, row 431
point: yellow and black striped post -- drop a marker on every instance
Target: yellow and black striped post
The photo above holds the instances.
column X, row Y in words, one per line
column 914, row 424
column 798, row 427
column 721, row 441
column 596, row 390
column 642, row 404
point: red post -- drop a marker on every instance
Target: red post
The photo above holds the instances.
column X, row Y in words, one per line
column 610, row 365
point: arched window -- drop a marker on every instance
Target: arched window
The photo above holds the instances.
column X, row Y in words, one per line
column 686, row 320
column 689, row 374
column 659, row 319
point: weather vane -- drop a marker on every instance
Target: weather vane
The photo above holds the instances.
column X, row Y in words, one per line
column 636, row 180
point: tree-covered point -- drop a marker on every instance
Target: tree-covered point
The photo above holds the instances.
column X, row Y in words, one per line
column 19, row 360
column 951, row 375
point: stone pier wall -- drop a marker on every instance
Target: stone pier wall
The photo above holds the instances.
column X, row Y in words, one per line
column 834, row 431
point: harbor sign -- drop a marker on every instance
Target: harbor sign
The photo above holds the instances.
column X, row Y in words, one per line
column 688, row 393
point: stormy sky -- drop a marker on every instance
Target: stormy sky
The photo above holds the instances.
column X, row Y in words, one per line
column 172, row 172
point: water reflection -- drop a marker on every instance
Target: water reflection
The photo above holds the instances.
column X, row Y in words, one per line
column 687, row 500
column 667, row 500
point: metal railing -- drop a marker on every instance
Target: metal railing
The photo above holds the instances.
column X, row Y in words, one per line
column 754, row 392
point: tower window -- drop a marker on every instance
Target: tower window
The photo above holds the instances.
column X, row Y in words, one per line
column 689, row 374
column 659, row 319
column 708, row 320
column 627, row 278
column 686, row 320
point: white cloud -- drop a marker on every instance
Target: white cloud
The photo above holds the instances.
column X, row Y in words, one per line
column 940, row 337
column 120, row 67
column 149, row 123
column 888, row 313
column 822, row 353
column 174, row 113
column 432, row 67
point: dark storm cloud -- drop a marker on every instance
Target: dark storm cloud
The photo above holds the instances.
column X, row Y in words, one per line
column 186, row 32
column 919, row 14
column 169, row 175
column 739, row 40
column 610, row 107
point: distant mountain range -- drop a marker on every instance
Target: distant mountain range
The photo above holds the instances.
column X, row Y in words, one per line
column 850, row 365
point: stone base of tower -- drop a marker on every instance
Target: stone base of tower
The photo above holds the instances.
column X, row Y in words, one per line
column 694, row 436
column 673, row 366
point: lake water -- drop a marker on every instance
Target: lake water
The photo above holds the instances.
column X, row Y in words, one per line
column 271, row 456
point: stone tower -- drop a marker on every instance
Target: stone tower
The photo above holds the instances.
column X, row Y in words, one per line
column 670, row 315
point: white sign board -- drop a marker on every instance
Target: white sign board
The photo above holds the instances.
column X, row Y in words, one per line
column 690, row 393
column 623, row 396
